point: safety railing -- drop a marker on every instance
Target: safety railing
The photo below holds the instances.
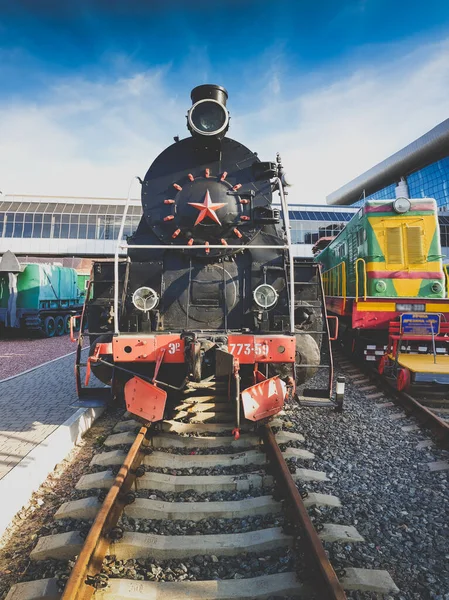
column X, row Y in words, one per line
column 121, row 245
column 362, row 260
column 334, row 281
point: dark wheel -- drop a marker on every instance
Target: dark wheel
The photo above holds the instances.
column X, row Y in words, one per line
column 59, row 326
column 67, row 324
column 49, row 327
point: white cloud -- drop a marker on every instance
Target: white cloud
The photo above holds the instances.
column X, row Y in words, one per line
column 90, row 137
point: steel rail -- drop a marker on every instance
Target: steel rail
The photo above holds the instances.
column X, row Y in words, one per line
column 428, row 418
column 332, row 588
column 81, row 583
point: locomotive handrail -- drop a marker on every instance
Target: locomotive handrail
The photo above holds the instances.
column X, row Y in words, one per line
column 357, row 279
column 289, row 250
column 200, row 247
column 117, row 252
column 447, row 279
column 329, row 280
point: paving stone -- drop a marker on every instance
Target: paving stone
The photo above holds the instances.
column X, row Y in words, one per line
column 45, row 397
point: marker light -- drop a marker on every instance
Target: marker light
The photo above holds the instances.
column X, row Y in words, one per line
column 380, row 286
column 436, row 287
column 265, row 296
column 402, row 205
column 208, row 117
column 145, row 298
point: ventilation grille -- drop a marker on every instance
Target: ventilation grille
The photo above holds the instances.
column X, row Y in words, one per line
column 415, row 248
column 395, row 254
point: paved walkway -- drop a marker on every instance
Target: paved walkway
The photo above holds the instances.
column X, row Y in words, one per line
column 32, row 406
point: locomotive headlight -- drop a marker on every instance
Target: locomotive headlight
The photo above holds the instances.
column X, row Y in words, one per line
column 208, row 117
column 402, row 205
column 436, row 287
column 145, row 298
column 265, row 296
column 380, row 286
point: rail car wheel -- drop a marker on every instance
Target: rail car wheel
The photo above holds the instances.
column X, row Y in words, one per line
column 49, row 327
column 67, row 324
column 403, row 380
column 59, row 326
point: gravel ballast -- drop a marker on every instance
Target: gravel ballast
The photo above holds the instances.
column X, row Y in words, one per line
column 386, row 489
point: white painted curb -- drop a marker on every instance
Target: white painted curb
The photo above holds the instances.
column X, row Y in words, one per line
column 17, row 486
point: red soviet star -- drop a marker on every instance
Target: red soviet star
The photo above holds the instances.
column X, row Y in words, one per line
column 207, row 209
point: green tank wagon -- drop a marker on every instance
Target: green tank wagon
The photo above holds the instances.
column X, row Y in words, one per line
column 38, row 297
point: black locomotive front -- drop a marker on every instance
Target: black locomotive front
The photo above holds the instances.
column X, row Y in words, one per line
column 207, row 285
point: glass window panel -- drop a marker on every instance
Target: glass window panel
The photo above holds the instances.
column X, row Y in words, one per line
column 83, row 218
column 37, row 228
column 76, row 208
column 9, row 226
column 68, row 208
column 65, row 219
column 73, row 231
column 46, row 228
column 59, row 208
column 64, row 231
column 82, row 231
column 56, row 229
column 18, row 229
column 91, row 231
column 47, row 218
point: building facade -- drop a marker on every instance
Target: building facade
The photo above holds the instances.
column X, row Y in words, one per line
column 64, row 227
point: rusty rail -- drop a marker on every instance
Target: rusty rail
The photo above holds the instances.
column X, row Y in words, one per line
column 332, row 588
column 426, row 417
column 82, row 581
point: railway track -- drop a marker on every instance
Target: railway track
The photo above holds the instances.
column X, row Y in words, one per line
column 158, row 532
column 431, row 408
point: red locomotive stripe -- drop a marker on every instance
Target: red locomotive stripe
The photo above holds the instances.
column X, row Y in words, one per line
column 404, row 275
column 383, row 208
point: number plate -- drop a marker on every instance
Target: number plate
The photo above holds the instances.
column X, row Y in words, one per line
column 146, row 348
column 250, row 349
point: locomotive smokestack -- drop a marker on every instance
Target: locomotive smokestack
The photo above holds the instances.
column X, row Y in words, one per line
column 208, row 115
column 215, row 92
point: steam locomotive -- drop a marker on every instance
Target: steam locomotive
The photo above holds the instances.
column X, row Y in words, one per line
column 207, row 288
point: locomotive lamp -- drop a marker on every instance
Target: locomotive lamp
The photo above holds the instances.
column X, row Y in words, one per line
column 402, row 205
column 145, row 299
column 208, row 115
column 265, row 296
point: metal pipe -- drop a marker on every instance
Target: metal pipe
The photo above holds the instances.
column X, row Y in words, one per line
column 289, row 251
column 201, row 247
column 117, row 251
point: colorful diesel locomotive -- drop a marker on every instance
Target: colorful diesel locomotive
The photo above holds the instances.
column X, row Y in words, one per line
column 386, row 262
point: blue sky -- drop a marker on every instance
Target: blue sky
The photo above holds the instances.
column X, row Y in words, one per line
column 92, row 91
